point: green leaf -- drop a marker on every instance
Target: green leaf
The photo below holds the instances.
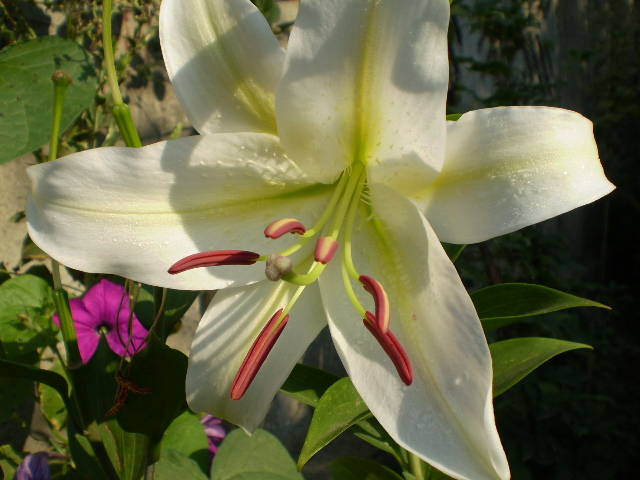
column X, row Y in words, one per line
column 52, row 406
column 26, row 91
column 453, row 117
column 338, row 409
column 372, row 432
column 9, row 461
column 516, row 358
column 307, row 384
column 128, row 451
column 186, row 435
column 506, row 303
column 260, row 456
column 176, row 465
column 354, row 468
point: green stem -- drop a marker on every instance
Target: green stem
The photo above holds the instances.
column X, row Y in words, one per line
column 67, row 327
column 107, row 45
column 61, row 81
column 121, row 111
column 419, row 469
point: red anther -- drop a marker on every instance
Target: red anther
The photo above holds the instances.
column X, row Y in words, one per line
column 381, row 300
column 284, row 225
column 214, row 258
column 257, row 355
column 326, row 248
column 392, row 347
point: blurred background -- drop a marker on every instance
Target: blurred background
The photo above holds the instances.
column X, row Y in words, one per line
column 576, row 417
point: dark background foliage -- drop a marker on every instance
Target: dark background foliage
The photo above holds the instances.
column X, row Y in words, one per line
column 578, row 416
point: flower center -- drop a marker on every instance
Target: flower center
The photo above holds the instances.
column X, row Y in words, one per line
column 336, row 222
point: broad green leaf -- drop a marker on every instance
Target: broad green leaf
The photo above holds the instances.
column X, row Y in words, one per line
column 506, row 303
column 260, row 456
column 175, row 465
column 354, row 468
column 338, row 409
column 26, row 307
column 516, row 358
column 52, row 404
column 307, row 384
column 186, row 435
column 26, row 91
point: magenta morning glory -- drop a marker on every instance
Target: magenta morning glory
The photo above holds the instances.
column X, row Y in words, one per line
column 105, row 307
column 34, row 467
column 215, row 432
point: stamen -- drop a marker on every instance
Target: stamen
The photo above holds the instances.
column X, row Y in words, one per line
column 285, row 225
column 214, row 258
column 258, row 354
column 392, row 347
column 326, row 248
column 277, row 266
column 381, row 300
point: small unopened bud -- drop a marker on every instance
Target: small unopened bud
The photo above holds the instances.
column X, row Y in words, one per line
column 61, row 78
column 277, row 266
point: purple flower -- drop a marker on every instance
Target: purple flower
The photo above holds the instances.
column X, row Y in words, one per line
column 214, row 430
column 106, row 306
column 34, row 467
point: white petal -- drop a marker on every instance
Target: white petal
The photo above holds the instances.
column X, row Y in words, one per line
column 446, row 415
column 224, row 63
column 135, row 212
column 225, row 334
column 510, row 167
column 367, row 79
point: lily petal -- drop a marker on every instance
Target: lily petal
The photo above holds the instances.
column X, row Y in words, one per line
column 226, row 332
column 510, row 167
column 135, row 212
column 205, row 45
column 446, row 415
column 369, row 79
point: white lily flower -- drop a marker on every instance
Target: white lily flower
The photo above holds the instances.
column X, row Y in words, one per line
column 340, row 140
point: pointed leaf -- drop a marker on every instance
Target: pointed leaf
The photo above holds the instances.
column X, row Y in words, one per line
column 516, row 358
column 338, row 409
column 307, row 384
column 354, row 468
column 506, row 303
column 260, row 456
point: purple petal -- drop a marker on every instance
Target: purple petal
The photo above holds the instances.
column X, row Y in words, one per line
column 87, row 327
column 214, row 430
column 34, row 467
column 105, row 300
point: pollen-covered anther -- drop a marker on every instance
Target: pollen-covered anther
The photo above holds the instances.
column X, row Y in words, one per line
column 277, row 266
column 392, row 347
column 381, row 300
column 258, row 354
column 214, row 258
column 284, row 225
column 326, row 248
